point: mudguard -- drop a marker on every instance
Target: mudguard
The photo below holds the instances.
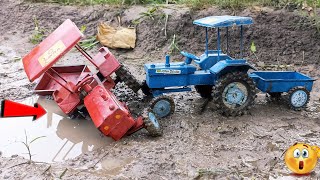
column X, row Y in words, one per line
column 225, row 66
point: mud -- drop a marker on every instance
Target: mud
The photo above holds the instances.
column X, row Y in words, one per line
column 194, row 146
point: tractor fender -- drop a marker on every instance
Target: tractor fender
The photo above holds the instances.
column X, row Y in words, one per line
column 226, row 66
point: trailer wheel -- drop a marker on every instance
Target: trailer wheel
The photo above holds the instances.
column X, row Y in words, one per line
column 162, row 106
column 298, row 98
column 204, row 90
column 152, row 124
column 234, row 93
column 145, row 88
column 124, row 75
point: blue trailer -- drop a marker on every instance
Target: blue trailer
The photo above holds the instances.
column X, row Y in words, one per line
column 297, row 86
column 215, row 74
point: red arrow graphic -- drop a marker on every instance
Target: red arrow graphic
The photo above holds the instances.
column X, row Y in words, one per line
column 14, row 109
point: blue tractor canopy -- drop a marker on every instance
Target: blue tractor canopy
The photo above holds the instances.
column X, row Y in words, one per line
column 223, row 22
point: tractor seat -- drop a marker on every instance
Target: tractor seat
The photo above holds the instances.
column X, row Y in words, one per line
column 206, row 62
column 213, row 57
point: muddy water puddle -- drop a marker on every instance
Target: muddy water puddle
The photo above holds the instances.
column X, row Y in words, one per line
column 63, row 139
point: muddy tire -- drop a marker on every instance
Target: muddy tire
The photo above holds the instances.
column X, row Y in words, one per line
column 234, row 94
column 151, row 124
column 298, row 98
column 204, row 90
column 162, row 106
column 145, row 88
column 125, row 76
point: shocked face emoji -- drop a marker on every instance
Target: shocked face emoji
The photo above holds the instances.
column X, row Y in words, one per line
column 301, row 158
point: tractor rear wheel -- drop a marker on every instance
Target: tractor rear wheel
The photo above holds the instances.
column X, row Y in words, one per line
column 124, row 75
column 151, row 124
column 234, row 93
column 204, row 90
column 298, row 98
column 162, row 106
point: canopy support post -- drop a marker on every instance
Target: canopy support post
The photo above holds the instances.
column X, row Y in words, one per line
column 207, row 42
column 241, row 42
column 218, row 44
column 227, row 40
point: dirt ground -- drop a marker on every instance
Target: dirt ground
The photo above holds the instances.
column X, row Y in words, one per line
column 194, row 146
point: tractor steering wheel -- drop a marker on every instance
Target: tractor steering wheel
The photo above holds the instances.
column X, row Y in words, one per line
column 83, row 82
column 189, row 55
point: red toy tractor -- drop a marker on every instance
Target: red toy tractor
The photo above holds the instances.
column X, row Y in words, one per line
column 78, row 91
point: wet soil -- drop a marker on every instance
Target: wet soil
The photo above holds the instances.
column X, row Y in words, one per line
column 194, row 146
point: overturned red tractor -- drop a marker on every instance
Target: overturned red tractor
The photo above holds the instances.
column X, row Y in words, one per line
column 79, row 91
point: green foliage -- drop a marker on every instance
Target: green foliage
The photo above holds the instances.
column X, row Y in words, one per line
column 253, row 47
column 83, row 28
column 89, row 43
column 27, row 144
column 38, row 33
column 92, row 2
column 173, row 47
column 234, row 4
column 150, row 13
column 15, row 59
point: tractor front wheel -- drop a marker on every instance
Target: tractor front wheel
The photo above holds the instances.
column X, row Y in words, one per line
column 162, row 106
column 204, row 90
column 151, row 124
column 298, row 98
column 234, row 93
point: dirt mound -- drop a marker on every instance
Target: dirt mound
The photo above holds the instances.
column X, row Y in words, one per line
column 279, row 35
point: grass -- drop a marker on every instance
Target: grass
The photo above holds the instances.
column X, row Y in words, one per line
column 92, row 2
column 89, row 43
column 27, row 144
column 38, row 34
column 194, row 3
column 173, row 47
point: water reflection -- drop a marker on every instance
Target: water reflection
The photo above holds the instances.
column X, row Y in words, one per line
column 64, row 138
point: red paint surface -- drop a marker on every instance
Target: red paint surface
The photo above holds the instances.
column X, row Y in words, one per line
column 67, row 32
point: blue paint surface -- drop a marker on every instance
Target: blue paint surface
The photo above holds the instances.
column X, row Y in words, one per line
column 280, row 81
column 223, row 21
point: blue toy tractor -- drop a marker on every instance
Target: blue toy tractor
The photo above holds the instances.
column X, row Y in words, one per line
column 218, row 76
